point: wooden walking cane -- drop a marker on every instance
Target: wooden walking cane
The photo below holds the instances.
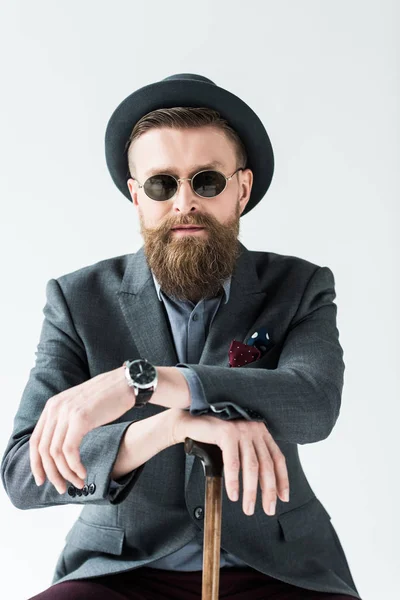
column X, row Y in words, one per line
column 211, row 458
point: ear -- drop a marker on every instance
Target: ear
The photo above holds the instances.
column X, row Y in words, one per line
column 246, row 183
column 132, row 186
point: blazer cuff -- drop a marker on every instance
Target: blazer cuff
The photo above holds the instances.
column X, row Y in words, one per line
column 110, row 437
column 199, row 405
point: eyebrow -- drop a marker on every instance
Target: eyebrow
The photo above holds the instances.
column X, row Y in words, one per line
column 194, row 169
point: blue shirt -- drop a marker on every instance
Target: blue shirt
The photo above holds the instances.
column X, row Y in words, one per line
column 190, row 324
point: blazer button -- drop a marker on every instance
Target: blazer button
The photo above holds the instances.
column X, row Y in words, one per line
column 72, row 491
column 92, row 488
column 199, row 513
column 85, row 490
column 78, row 492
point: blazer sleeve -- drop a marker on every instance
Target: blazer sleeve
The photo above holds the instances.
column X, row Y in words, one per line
column 199, row 405
column 300, row 400
column 61, row 363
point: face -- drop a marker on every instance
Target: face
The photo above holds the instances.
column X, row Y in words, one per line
column 189, row 265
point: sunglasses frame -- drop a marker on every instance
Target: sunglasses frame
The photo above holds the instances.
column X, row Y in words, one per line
column 178, row 182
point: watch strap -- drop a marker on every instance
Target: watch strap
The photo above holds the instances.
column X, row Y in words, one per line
column 142, row 397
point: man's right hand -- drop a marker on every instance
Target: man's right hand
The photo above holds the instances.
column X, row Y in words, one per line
column 246, row 444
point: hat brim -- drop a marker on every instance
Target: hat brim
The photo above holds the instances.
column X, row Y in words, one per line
column 190, row 93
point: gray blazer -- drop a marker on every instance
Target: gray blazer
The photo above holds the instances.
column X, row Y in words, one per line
column 100, row 315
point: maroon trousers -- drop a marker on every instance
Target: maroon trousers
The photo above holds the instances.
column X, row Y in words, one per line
column 157, row 584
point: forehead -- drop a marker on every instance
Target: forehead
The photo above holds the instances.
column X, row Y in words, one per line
column 182, row 152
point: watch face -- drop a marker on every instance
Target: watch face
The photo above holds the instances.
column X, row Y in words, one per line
column 142, row 373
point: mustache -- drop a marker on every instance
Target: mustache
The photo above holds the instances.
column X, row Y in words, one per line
column 195, row 220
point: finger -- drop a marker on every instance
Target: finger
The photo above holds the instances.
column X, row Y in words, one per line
column 250, row 474
column 231, row 459
column 78, row 427
column 267, row 476
column 37, row 469
column 57, row 453
column 49, row 465
column 281, row 473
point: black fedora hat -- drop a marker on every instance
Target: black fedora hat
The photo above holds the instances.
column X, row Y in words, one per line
column 190, row 90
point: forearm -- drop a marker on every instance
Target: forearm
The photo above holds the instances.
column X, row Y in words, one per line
column 142, row 440
column 172, row 389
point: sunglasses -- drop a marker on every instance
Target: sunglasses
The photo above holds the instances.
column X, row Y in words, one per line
column 206, row 184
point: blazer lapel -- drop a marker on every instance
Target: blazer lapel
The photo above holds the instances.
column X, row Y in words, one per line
column 144, row 313
column 236, row 318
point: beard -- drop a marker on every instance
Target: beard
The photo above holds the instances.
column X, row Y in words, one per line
column 192, row 267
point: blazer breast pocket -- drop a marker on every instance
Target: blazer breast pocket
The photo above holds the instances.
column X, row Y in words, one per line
column 269, row 360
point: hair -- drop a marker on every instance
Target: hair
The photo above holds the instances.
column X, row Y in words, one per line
column 182, row 117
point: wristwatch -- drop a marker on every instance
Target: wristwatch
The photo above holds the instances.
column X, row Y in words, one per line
column 142, row 377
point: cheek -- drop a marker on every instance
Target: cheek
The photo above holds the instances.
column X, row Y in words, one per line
column 152, row 215
column 222, row 212
column 159, row 212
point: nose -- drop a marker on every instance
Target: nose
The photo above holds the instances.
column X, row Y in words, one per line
column 185, row 200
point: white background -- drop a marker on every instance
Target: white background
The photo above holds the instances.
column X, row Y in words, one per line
column 323, row 77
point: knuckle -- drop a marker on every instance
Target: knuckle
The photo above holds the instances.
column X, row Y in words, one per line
column 72, row 464
column 268, row 472
column 283, row 461
column 33, row 442
column 267, row 461
column 42, row 448
column 280, row 458
column 68, row 449
column 80, row 413
column 234, row 464
column 266, row 431
column 55, row 451
column 232, row 484
column 228, row 429
column 78, row 409
column 252, row 465
column 73, row 461
column 52, row 403
column 242, row 425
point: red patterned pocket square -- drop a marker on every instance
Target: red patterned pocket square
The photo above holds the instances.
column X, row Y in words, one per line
column 241, row 354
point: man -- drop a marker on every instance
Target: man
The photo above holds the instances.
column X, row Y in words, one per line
column 136, row 354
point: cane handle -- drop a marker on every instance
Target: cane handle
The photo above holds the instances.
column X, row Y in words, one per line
column 209, row 454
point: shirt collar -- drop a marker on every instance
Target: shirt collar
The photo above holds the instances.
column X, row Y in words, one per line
column 226, row 286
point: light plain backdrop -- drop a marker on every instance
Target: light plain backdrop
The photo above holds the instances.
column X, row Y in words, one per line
column 324, row 79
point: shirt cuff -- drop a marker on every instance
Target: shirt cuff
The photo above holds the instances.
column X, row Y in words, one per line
column 198, row 402
column 199, row 405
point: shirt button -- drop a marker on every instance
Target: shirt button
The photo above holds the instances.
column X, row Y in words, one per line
column 195, row 317
column 199, row 513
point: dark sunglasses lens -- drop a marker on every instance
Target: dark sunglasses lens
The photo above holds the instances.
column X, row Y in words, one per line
column 209, row 184
column 160, row 187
